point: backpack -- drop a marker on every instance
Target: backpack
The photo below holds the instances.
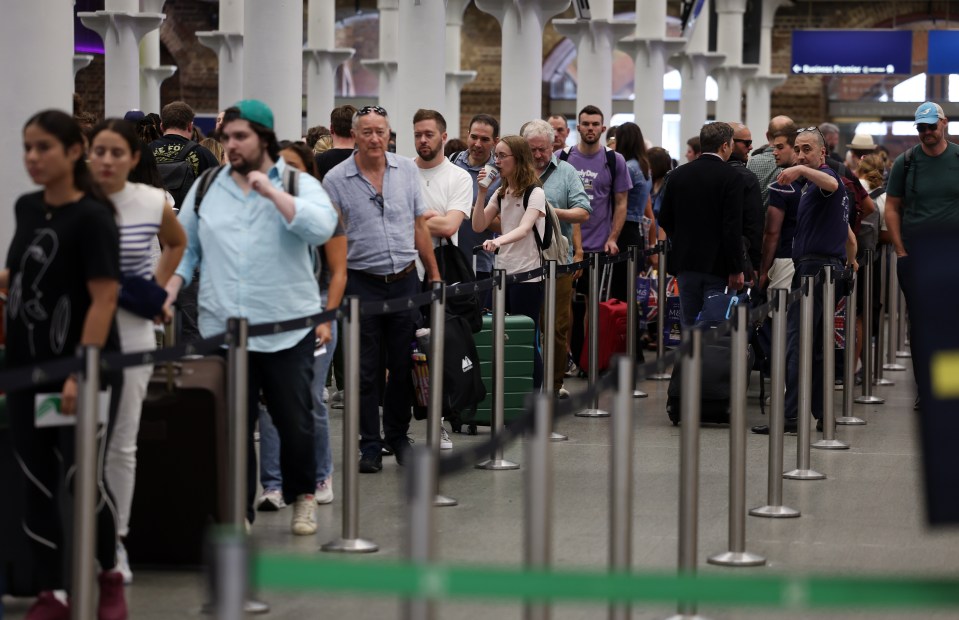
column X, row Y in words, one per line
column 177, row 173
column 855, row 204
column 868, row 236
column 463, row 387
column 454, row 268
column 553, row 245
column 291, row 180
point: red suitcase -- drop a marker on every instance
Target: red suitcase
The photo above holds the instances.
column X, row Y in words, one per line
column 612, row 327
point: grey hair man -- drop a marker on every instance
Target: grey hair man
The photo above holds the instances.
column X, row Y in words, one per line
column 830, row 135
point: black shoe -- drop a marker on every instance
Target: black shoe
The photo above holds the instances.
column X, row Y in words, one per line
column 371, row 463
column 763, row 429
column 401, row 449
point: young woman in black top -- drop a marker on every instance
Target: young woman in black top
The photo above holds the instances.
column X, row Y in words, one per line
column 63, row 273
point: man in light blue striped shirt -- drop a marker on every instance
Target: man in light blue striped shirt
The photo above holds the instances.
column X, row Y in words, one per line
column 253, row 243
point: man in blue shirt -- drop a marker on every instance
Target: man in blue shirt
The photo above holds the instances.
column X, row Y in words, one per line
column 383, row 208
column 253, row 244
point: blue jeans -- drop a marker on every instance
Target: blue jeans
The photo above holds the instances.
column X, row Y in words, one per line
column 806, row 268
column 270, row 476
column 694, row 288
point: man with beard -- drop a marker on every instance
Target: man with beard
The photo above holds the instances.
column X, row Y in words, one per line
column 385, row 213
column 922, row 191
column 776, row 269
column 253, row 245
column 447, row 189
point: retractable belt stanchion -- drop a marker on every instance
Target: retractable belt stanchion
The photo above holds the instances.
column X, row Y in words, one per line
column 350, row 541
column 736, row 554
column 803, row 470
column 661, row 312
column 83, row 594
column 878, row 377
column 867, row 344
column 891, row 299
column 903, row 340
column 435, row 414
column 549, row 342
column 621, row 479
column 829, row 441
column 849, row 379
column 421, row 484
column 538, row 522
column 632, row 318
column 496, row 460
column 593, row 341
column 774, row 492
column 689, row 466
column 232, row 559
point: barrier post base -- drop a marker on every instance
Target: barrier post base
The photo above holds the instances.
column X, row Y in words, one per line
column 640, row 394
column 869, row 400
column 736, row 558
column 443, row 500
column 250, row 606
column 883, row 381
column 688, row 617
column 893, row 367
column 847, row 420
column 350, row 545
column 660, row 376
column 903, row 354
column 497, row 465
column 775, row 512
column 554, row 436
column 830, row 444
column 804, row 474
column 593, row 413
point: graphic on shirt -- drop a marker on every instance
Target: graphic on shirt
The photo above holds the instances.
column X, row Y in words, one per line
column 26, row 299
column 588, row 177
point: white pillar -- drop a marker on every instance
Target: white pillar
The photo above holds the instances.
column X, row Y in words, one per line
column 36, row 39
column 521, row 85
column 456, row 78
column 694, row 68
column 595, row 40
column 227, row 42
column 421, row 67
column 273, row 61
column 385, row 65
column 322, row 57
column 121, row 26
column 759, row 88
column 730, row 77
column 729, row 103
column 152, row 73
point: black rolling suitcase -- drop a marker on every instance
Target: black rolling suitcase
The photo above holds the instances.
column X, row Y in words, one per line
column 181, row 480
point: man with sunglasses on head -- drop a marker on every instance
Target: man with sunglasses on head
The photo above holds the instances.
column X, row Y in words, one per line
column 384, row 213
column 822, row 237
column 922, row 191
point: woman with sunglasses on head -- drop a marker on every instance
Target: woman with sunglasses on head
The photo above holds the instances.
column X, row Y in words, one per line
column 63, row 271
column 517, row 244
column 144, row 214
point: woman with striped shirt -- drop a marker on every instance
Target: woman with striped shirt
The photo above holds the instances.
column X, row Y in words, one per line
column 144, row 214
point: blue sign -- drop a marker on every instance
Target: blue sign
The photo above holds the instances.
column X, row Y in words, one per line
column 943, row 52
column 852, row 52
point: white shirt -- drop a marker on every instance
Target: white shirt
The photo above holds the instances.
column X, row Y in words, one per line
column 139, row 212
column 446, row 188
column 522, row 255
column 880, row 204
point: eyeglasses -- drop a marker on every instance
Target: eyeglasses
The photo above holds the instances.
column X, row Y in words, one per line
column 371, row 108
column 378, row 199
column 924, row 127
column 747, row 143
column 816, row 129
column 499, row 156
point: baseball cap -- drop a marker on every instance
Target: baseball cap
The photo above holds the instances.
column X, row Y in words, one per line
column 929, row 113
column 133, row 116
column 255, row 111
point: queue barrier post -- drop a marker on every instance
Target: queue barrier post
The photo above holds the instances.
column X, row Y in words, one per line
column 593, row 338
column 538, row 524
column 867, row 398
column 436, row 361
column 661, row 312
column 882, row 340
column 891, row 299
column 621, row 479
column 83, row 595
column 550, row 286
column 632, row 318
column 829, row 441
column 421, row 482
column 849, row 380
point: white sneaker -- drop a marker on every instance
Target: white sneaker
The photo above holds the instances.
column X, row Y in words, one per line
column 271, row 501
column 303, row 522
column 123, row 564
column 324, row 491
column 336, row 399
column 326, row 395
column 562, row 393
column 445, row 442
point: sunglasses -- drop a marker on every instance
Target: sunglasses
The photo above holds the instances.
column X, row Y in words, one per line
column 816, row 129
column 378, row 199
column 371, row 108
column 748, row 143
column 924, row 127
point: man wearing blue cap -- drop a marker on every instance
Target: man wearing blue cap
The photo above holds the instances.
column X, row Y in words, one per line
column 922, row 191
column 253, row 242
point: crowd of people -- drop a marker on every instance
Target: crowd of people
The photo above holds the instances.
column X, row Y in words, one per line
column 116, row 239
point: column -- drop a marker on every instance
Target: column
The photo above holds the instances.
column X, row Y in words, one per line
column 522, row 22
column 36, row 38
column 152, row 73
column 227, row 42
column 650, row 48
column 385, row 65
column 121, row 26
column 694, row 65
column 422, row 67
column 759, row 87
column 456, row 78
column 80, row 62
column 595, row 40
column 729, row 41
column 273, row 61
column 322, row 57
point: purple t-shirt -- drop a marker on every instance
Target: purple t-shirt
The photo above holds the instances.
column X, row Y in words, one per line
column 596, row 179
column 822, row 221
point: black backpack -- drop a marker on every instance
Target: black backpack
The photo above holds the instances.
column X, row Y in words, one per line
column 177, row 173
column 463, row 387
column 454, row 269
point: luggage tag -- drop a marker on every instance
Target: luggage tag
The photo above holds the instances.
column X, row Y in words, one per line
column 47, row 410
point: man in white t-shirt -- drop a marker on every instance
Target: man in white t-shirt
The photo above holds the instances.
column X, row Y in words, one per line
column 447, row 189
